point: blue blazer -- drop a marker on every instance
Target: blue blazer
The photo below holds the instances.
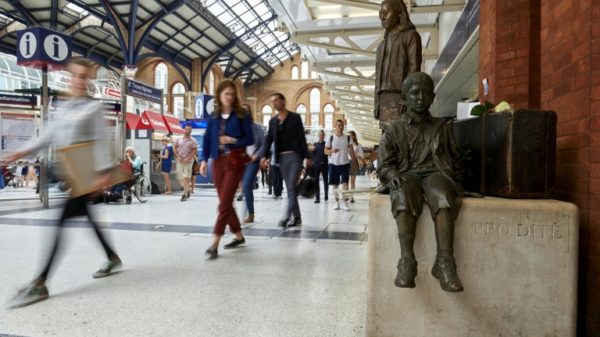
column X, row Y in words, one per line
column 236, row 127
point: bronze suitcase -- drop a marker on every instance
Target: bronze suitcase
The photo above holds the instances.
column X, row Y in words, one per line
column 518, row 151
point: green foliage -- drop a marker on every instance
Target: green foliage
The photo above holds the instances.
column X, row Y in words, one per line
column 481, row 109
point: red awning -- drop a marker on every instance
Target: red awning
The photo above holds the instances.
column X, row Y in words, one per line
column 155, row 121
column 173, row 124
column 132, row 121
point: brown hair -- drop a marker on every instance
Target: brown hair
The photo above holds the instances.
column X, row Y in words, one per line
column 248, row 109
column 82, row 62
column 354, row 137
column 237, row 106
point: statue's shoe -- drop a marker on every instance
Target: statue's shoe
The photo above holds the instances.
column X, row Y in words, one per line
column 407, row 271
column 382, row 189
column 444, row 270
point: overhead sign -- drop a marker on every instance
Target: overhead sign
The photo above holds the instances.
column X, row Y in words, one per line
column 205, row 106
column 41, row 47
column 18, row 100
column 144, row 91
column 111, row 92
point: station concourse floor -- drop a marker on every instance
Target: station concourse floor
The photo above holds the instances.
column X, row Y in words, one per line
column 307, row 281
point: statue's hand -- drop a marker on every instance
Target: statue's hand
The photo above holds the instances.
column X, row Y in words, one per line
column 396, row 183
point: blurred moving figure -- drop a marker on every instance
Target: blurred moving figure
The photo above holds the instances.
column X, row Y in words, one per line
column 228, row 134
column 79, row 120
column 185, row 150
column 321, row 166
column 254, row 151
column 355, row 161
column 166, row 163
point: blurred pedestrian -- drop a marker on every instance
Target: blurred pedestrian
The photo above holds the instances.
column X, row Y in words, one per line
column 286, row 131
column 228, row 134
column 185, row 150
column 79, row 120
column 321, row 166
column 355, row 162
column 166, row 163
column 250, row 173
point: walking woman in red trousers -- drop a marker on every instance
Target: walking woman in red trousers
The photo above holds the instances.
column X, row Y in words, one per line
column 228, row 133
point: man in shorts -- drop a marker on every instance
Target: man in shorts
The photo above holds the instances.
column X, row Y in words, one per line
column 185, row 150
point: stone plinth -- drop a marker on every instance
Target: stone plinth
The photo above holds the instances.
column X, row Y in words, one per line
column 517, row 260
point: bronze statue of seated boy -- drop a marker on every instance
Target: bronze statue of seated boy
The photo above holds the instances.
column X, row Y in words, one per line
column 420, row 162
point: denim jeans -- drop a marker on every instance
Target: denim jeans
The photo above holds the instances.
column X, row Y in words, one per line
column 248, row 184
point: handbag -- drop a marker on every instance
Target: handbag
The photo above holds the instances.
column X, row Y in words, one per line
column 237, row 158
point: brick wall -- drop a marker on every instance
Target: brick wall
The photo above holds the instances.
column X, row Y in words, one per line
column 551, row 59
column 566, row 65
column 509, row 51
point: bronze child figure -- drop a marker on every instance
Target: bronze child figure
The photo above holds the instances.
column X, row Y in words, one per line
column 398, row 55
column 420, row 164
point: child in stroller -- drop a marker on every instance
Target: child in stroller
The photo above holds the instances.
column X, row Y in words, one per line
column 8, row 177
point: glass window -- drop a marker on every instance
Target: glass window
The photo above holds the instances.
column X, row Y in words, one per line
column 304, row 70
column 328, row 121
column 178, row 100
column 314, row 120
column 161, row 77
column 301, row 108
column 267, row 111
column 315, row 100
column 294, row 72
column 266, row 119
column 211, row 83
column 328, row 108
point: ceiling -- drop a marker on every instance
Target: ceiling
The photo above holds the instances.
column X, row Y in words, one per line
column 340, row 37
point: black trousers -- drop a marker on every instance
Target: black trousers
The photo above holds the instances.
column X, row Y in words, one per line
column 321, row 170
column 276, row 181
column 74, row 207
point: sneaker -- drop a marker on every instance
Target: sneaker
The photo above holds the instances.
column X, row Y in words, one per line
column 29, row 295
column 184, row 197
column 337, row 206
column 108, row 267
column 212, row 252
column 235, row 243
column 352, row 200
column 317, row 201
column 240, row 198
column 249, row 218
column 345, row 206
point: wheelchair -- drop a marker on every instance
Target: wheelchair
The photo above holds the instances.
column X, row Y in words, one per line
column 139, row 187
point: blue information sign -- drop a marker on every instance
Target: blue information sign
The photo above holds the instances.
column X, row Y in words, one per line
column 144, row 91
column 205, row 106
column 18, row 100
column 41, row 47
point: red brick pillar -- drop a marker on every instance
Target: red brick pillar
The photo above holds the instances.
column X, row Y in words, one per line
column 509, row 49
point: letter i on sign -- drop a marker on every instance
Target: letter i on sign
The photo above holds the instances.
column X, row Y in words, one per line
column 55, row 45
column 28, row 43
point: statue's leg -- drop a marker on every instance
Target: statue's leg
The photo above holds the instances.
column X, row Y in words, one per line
column 441, row 197
column 407, row 227
column 444, row 233
column 407, row 203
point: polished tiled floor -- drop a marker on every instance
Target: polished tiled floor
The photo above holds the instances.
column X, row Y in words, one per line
column 307, row 281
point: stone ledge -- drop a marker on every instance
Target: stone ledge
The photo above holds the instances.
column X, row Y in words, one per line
column 516, row 258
